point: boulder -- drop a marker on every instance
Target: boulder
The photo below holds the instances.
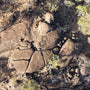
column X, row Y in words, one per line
column 48, row 41
column 87, row 1
column 30, row 42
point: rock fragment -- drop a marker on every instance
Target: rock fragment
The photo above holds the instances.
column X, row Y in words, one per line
column 66, row 52
column 49, row 18
column 36, row 62
column 20, row 66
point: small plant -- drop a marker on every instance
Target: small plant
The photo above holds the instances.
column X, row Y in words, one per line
column 10, row 8
column 30, row 85
column 52, row 6
column 54, row 61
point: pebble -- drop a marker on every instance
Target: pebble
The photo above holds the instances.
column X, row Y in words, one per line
column 69, row 75
column 83, row 71
column 72, row 70
column 49, row 18
column 77, row 70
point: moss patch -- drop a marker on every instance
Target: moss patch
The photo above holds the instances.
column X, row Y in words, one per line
column 30, row 85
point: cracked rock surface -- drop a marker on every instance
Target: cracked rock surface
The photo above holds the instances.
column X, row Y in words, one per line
column 29, row 48
column 43, row 48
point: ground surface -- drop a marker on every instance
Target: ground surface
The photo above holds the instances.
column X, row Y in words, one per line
column 44, row 45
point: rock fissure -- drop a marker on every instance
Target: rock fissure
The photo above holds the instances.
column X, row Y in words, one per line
column 29, row 61
column 21, row 60
column 43, row 58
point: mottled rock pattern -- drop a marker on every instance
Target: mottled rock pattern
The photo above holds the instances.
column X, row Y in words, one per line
column 36, row 62
column 66, row 52
column 49, row 18
column 8, row 40
column 28, row 50
column 43, row 28
column 48, row 41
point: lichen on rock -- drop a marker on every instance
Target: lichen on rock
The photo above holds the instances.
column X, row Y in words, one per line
column 84, row 19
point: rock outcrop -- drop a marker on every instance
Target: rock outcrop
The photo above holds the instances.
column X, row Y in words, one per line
column 29, row 48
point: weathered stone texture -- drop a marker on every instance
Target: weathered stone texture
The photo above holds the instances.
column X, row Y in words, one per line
column 66, row 52
column 36, row 62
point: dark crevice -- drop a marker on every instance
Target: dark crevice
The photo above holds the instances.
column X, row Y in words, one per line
column 56, row 51
column 3, row 58
column 21, row 60
column 33, row 47
column 29, row 61
column 43, row 57
column 22, row 39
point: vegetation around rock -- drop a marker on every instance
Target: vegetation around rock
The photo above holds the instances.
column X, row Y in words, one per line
column 45, row 44
column 30, row 85
column 83, row 19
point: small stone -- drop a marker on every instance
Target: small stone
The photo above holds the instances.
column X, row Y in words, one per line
column 83, row 71
column 69, row 75
column 22, row 48
column 72, row 70
column 77, row 75
column 87, row 1
column 68, row 3
column 77, row 70
column 49, row 18
column 56, row 50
